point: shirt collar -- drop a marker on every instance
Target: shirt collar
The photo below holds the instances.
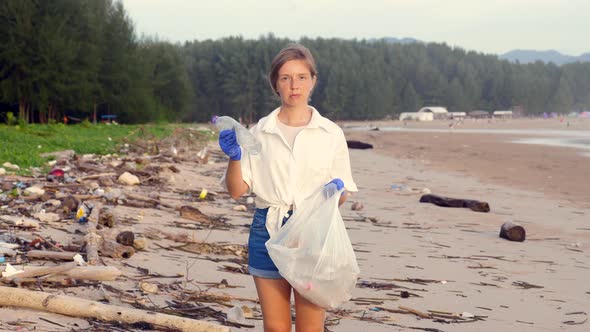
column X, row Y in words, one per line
column 317, row 121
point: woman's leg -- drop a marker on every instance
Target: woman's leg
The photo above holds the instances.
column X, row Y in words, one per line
column 275, row 301
column 308, row 316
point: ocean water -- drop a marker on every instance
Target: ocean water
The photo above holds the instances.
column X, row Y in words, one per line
column 579, row 139
column 578, row 143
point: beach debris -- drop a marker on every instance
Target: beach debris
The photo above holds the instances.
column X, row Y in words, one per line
column 575, row 246
column 22, row 222
column 52, row 255
column 56, row 175
column 512, row 232
column 572, row 322
column 474, row 205
column 199, row 311
column 243, row 269
column 357, row 206
column 11, row 166
column 203, row 193
column 525, row 285
column 139, row 243
column 41, row 271
column 47, row 216
column 91, row 238
column 148, row 287
column 415, row 312
column 34, row 190
column 192, row 213
column 241, row 208
column 236, row 315
column 358, row 145
column 78, row 307
column 10, row 271
column 203, row 156
column 414, row 190
column 466, row 314
column 215, row 248
column 126, row 238
column 128, row 179
column 107, row 217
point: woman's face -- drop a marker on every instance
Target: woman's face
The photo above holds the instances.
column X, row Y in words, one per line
column 295, row 83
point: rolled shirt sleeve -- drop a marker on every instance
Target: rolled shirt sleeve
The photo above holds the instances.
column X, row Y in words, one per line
column 246, row 165
column 341, row 164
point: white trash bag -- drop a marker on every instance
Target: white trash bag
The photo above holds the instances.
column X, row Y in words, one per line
column 313, row 252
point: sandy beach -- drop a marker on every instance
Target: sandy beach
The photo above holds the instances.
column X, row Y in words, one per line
column 450, row 261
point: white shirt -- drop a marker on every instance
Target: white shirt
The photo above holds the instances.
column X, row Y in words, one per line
column 282, row 176
column 289, row 133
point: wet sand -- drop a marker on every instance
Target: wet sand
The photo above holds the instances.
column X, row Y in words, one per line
column 494, row 157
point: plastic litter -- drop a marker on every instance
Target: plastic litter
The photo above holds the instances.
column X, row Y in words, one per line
column 236, row 315
column 245, row 138
column 83, row 212
column 313, row 251
column 80, row 260
column 10, row 271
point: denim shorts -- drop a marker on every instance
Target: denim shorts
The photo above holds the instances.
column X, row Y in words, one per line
column 259, row 262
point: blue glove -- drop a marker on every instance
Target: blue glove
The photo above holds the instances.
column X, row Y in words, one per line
column 330, row 190
column 339, row 184
column 229, row 144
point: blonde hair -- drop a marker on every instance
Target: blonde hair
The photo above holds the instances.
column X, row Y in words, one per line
column 291, row 52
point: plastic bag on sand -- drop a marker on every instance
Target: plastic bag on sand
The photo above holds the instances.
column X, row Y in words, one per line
column 313, row 252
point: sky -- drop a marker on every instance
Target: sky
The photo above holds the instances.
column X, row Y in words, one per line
column 489, row 26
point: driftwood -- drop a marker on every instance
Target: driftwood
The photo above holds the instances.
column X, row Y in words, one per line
column 123, row 236
column 415, row 312
column 94, row 176
column 45, row 254
column 92, row 239
column 116, row 250
column 42, row 271
column 77, row 307
column 17, row 221
column 115, row 243
column 189, row 212
column 151, row 201
column 358, row 145
column 512, row 232
column 476, row 206
column 98, row 273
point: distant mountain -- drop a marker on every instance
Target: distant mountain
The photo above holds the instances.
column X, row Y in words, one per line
column 527, row 56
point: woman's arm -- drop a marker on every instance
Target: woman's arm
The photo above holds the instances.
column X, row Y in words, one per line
column 236, row 186
column 343, row 197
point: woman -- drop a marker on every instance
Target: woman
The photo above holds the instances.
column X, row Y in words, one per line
column 301, row 151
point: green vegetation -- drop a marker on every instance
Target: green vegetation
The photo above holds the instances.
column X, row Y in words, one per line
column 22, row 145
column 83, row 59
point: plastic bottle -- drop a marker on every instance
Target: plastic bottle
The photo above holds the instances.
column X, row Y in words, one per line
column 83, row 212
column 245, row 138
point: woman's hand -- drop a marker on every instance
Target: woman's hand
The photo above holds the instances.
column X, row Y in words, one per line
column 229, row 144
column 331, row 190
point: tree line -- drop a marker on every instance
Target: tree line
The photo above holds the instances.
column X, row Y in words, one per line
column 83, row 59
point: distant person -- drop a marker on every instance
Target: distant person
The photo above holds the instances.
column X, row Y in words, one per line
column 302, row 151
